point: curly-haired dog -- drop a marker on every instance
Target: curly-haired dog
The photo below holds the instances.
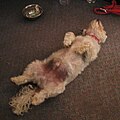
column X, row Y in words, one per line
column 52, row 74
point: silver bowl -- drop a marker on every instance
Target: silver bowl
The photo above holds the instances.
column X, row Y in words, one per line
column 32, row 11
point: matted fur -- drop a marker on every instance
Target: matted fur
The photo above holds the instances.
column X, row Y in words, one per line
column 22, row 101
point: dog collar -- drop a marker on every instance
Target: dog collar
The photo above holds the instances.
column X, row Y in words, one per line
column 93, row 36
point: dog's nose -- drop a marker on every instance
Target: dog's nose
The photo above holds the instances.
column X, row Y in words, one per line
column 98, row 20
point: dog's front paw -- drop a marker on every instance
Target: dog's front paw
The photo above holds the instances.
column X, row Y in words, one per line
column 83, row 48
column 68, row 39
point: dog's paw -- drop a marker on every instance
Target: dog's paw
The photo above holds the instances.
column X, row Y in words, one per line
column 83, row 48
column 19, row 80
column 68, row 39
column 39, row 97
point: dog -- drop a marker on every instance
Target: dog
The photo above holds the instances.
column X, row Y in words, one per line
column 52, row 74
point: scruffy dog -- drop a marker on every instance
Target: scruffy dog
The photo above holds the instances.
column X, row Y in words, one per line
column 52, row 74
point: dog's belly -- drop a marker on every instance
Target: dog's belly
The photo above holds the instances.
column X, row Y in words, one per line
column 75, row 66
column 52, row 72
column 60, row 67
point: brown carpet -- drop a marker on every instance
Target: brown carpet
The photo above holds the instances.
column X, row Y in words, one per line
column 94, row 95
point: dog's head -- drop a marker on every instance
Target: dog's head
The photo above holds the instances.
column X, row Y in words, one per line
column 97, row 29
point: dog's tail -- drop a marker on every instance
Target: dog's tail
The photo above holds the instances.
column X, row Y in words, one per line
column 22, row 101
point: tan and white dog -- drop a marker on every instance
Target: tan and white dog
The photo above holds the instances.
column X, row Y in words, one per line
column 52, row 74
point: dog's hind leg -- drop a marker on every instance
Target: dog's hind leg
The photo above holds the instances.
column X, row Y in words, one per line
column 21, row 79
column 68, row 39
column 28, row 74
column 49, row 91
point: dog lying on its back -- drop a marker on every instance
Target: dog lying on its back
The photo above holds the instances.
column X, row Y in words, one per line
column 52, row 74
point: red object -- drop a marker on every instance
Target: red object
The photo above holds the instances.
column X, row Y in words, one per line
column 114, row 8
column 93, row 36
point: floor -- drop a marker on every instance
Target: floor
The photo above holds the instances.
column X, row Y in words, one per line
column 93, row 95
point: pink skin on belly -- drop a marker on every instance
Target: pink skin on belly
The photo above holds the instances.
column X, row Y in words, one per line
column 53, row 71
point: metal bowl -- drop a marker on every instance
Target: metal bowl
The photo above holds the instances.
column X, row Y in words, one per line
column 32, row 11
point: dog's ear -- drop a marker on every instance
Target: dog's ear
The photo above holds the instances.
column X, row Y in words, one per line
column 100, row 26
column 96, row 24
